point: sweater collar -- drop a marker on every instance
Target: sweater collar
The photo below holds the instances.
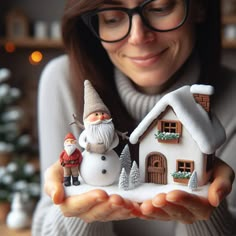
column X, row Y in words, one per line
column 139, row 104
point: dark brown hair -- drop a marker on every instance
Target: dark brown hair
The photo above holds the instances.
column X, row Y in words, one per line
column 209, row 43
column 90, row 61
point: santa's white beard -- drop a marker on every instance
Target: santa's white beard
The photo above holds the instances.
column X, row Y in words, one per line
column 69, row 148
column 102, row 132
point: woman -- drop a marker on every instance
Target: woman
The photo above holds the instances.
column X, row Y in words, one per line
column 140, row 49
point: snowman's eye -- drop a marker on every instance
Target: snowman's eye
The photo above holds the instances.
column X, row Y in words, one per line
column 96, row 114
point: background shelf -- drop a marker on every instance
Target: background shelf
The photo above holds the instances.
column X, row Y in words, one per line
column 33, row 43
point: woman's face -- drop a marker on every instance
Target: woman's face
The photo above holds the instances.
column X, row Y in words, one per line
column 150, row 58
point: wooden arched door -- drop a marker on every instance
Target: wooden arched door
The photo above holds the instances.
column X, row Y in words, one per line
column 156, row 168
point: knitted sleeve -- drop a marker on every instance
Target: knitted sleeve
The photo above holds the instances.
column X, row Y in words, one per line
column 220, row 223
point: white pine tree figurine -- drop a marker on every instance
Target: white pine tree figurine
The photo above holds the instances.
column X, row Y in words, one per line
column 124, row 180
column 134, row 178
column 193, row 182
column 126, row 159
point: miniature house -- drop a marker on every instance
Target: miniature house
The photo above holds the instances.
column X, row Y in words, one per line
column 178, row 136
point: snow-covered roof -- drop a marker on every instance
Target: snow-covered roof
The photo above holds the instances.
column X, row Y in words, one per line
column 208, row 133
column 202, row 89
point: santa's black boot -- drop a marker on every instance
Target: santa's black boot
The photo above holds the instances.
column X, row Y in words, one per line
column 76, row 181
column 67, row 181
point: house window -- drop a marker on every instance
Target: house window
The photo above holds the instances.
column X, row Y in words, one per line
column 185, row 166
column 169, row 131
column 169, row 126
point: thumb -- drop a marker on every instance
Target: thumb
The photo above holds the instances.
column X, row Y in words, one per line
column 53, row 186
column 223, row 177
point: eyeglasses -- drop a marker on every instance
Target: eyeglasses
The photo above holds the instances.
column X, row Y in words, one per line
column 114, row 24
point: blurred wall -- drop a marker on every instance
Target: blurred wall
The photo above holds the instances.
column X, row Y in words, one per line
column 24, row 75
column 36, row 9
column 229, row 58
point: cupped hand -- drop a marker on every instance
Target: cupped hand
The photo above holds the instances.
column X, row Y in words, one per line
column 94, row 205
column 178, row 206
column 188, row 208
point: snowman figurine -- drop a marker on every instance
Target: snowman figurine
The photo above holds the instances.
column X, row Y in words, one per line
column 4, row 74
column 101, row 165
column 18, row 217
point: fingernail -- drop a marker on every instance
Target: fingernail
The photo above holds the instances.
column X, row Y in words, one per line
column 171, row 198
column 157, row 203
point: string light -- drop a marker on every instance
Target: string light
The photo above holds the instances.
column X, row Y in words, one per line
column 35, row 57
column 10, row 47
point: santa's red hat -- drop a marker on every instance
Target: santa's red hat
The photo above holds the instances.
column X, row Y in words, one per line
column 70, row 136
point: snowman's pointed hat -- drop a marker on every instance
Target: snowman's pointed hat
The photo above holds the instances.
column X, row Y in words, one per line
column 92, row 101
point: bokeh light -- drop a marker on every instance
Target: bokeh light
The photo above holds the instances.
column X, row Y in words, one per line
column 10, row 47
column 35, row 57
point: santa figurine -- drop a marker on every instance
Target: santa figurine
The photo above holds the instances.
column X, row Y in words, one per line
column 101, row 165
column 70, row 159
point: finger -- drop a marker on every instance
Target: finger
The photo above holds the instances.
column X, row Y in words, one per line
column 75, row 205
column 53, row 179
column 198, row 206
column 151, row 212
column 119, row 214
column 159, row 208
column 105, row 212
column 124, row 204
column 116, row 208
column 223, row 177
column 175, row 212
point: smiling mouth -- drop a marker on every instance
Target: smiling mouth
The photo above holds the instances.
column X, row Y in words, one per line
column 147, row 60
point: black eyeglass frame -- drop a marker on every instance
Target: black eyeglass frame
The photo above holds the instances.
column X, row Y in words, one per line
column 86, row 17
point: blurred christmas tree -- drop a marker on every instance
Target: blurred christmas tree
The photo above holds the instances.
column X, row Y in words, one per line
column 17, row 171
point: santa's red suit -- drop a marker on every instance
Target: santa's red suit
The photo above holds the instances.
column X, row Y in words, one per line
column 71, row 161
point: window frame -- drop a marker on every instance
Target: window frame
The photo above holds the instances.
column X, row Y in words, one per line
column 185, row 168
column 161, row 126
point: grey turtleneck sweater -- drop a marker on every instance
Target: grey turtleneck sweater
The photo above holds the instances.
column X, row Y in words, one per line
column 56, row 106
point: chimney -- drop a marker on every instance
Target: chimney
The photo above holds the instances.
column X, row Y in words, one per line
column 201, row 94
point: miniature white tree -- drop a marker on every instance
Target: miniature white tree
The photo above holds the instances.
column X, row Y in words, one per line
column 193, row 182
column 124, row 180
column 134, row 178
column 126, row 159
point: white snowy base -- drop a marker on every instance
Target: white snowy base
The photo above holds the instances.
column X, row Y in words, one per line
column 143, row 192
